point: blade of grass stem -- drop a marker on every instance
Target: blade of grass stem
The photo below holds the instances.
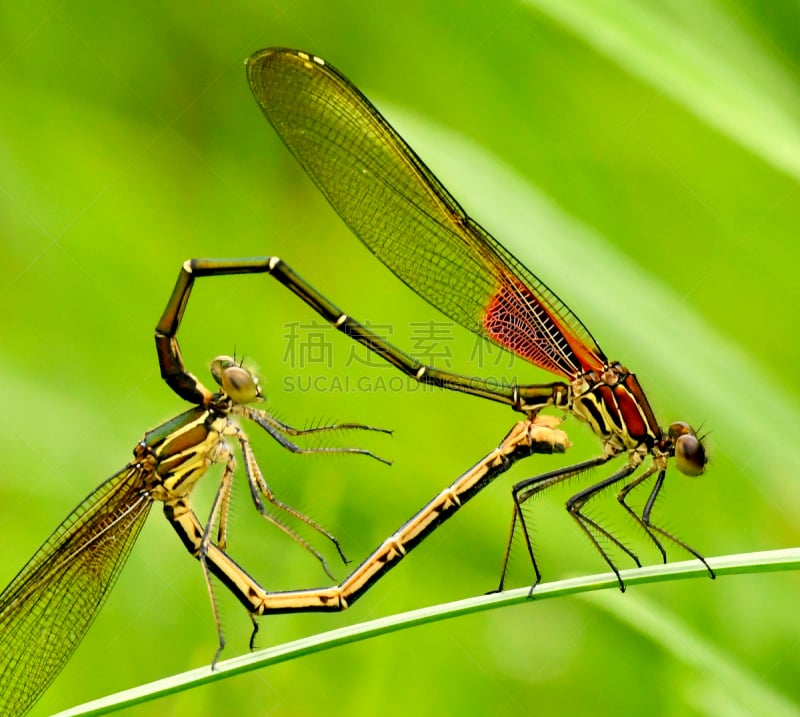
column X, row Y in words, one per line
column 743, row 563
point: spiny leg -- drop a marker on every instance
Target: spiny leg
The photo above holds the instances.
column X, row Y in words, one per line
column 525, row 490
column 649, row 525
column 517, row 515
column 217, row 515
column 292, row 431
column 579, row 500
column 275, row 429
column 259, row 488
column 622, row 496
column 271, row 426
column 224, row 497
column 195, row 537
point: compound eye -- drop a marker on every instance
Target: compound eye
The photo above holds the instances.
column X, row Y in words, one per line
column 690, row 455
column 236, row 381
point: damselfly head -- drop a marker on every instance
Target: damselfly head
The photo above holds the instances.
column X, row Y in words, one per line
column 690, row 454
column 239, row 383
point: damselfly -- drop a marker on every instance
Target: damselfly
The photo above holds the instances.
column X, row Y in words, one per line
column 50, row 604
column 395, row 205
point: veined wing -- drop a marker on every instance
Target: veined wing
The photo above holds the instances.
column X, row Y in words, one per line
column 402, row 213
column 48, row 607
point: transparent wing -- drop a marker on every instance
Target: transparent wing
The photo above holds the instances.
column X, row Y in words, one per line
column 402, row 213
column 48, row 607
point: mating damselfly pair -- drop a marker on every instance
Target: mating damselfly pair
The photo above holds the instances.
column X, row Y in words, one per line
column 402, row 213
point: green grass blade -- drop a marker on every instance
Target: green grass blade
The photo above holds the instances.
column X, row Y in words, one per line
column 769, row 561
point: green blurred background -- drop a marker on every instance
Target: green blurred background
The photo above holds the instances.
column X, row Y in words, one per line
column 642, row 158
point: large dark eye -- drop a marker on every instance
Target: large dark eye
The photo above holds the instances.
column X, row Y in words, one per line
column 239, row 383
column 690, row 455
